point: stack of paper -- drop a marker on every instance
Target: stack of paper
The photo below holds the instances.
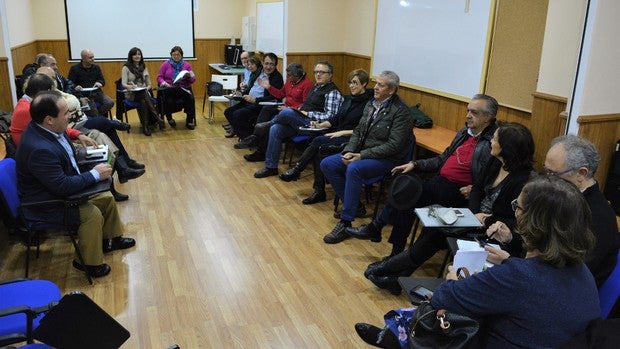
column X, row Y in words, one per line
column 472, row 256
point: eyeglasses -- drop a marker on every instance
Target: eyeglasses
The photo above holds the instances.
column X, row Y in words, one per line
column 321, row 72
column 515, row 205
column 551, row 173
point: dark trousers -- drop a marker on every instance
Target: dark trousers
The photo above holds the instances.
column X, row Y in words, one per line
column 313, row 154
column 242, row 116
column 437, row 190
column 173, row 96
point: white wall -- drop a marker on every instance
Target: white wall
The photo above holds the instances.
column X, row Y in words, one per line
column 316, row 26
column 20, row 22
column 359, row 28
column 561, row 46
column 602, row 72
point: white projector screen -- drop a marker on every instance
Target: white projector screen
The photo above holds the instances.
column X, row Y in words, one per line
column 111, row 27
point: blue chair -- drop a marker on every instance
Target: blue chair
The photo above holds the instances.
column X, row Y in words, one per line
column 22, row 305
column 609, row 293
column 12, row 207
column 382, row 180
column 292, row 143
column 123, row 105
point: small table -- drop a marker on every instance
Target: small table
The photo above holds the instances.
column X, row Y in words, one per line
column 225, row 69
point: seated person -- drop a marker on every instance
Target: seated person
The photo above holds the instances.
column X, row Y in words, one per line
column 550, row 289
column 293, row 94
column 87, row 74
column 47, row 170
column 243, row 114
column 512, row 148
column 322, row 103
column 340, row 128
column 576, row 160
column 458, row 166
column 181, row 90
column 21, row 118
column 381, row 140
column 135, row 75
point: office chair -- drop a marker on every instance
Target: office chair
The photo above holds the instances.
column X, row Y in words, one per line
column 293, row 143
column 229, row 84
column 22, row 303
column 9, row 199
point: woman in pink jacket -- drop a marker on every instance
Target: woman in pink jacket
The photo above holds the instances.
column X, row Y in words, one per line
column 176, row 78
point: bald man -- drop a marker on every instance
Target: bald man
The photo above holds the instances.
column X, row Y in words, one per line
column 87, row 74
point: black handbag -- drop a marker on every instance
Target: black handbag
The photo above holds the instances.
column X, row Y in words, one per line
column 434, row 329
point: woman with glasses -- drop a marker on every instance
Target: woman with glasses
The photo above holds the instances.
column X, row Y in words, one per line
column 242, row 115
column 512, row 149
column 176, row 78
column 542, row 300
column 339, row 127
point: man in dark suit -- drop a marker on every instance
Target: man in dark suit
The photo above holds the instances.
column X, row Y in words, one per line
column 47, row 169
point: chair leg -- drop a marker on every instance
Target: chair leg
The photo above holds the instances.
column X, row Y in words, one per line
column 79, row 254
column 204, row 101
column 444, row 264
column 210, row 112
column 28, row 243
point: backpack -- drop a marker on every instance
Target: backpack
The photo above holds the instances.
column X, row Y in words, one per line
column 420, row 120
column 214, row 88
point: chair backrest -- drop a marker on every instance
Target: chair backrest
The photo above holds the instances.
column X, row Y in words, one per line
column 229, row 82
column 609, row 293
column 8, row 188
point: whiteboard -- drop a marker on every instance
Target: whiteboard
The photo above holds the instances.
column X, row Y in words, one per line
column 270, row 27
column 434, row 45
column 111, row 27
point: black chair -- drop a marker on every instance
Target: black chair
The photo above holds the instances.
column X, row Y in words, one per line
column 13, row 207
column 165, row 108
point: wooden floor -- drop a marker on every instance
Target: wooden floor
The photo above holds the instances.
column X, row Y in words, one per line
column 223, row 260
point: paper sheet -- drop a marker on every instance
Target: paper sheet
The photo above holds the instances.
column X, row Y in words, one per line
column 474, row 261
column 181, row 75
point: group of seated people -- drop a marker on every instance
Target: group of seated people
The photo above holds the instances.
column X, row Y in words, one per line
column 557, row 232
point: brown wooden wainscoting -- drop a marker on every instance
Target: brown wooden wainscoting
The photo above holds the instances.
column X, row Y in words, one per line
column 604, row 132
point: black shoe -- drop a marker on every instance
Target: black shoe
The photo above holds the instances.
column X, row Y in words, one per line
column 266, row 172
column 161, row 124
column 365, row 232
column 230, row 133
column 128, row 173
column 190, row 126
column 254, row 157
column 262, row 128
column 370, row 334
column 360, row 213
column 146, row 130
column 122, row 126
column 172, row 123
column 389, row 283
column 337, row 234
column 247, row 142
column 316, row 196
column 118, row 197
column 117, row 243
column 290, row 175
column 135, row 165
column 95, row 271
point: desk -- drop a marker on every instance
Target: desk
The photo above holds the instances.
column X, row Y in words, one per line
column 229, row 71
column 435, row 139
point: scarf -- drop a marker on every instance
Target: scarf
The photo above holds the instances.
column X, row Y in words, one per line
column 137, row 71
column 177, row 66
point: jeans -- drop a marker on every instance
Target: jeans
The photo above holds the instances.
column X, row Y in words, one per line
column 241, row 116
column 284, row 125
column 347, row 180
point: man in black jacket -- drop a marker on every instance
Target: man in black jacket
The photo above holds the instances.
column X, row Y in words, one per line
column 458, row 167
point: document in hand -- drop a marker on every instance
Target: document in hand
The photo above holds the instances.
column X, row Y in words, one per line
column 473, row 260
column 181, row 75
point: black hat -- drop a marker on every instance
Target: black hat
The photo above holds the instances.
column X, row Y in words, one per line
column 406, row 191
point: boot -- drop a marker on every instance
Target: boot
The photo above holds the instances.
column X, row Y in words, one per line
column 144, row 122
column 125, row 172
column 399, row 265
column 292, row 174
column 118, row 196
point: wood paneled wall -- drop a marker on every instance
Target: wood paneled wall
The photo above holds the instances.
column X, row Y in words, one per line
column 6, row 102
column 545, row 120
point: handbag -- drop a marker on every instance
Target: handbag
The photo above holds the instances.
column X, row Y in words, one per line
column 432, row 328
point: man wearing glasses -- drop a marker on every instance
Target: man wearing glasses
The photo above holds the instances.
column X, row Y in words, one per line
column 576, row 160
column 322, row 103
